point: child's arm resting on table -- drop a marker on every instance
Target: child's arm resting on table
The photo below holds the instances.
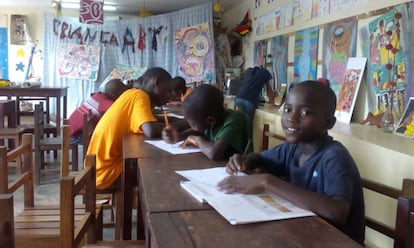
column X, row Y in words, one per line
column 333, row 209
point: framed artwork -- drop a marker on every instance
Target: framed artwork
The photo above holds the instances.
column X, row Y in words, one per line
column 349, row 89
column 406, row 124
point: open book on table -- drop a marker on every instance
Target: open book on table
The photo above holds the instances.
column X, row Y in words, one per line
column 237, row 208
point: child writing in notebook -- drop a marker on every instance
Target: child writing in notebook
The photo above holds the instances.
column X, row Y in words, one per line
column 218, row 132
column 310, row 169
column 130, row 113
column 179, row 91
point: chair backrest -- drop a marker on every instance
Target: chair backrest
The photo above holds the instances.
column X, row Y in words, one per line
column 70, row 187
column 64, row 159
column 404, row 223
column 6, row 220
column 25, row 179
column 39, row 123
column 266, row 134
column 87, row 130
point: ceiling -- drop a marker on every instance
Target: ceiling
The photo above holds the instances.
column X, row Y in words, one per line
column 129, row 7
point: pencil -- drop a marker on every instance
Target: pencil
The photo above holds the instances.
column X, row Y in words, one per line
column 245, row 150
column 166, row 119
column 247, row 147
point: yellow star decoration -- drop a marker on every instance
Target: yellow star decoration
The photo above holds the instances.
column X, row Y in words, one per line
column 20, row 52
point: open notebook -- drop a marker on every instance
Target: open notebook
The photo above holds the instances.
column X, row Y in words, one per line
column 238, row 208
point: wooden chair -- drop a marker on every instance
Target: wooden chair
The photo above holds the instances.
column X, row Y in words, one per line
column 266, row 134
column 35, row 226
column 403, row 233
column 71, row 235
column 42, row 144
column 110, row 198
column 6, row 220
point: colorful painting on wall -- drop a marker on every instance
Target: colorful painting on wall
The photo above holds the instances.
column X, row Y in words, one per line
column 91, row 11
column 4, row 70
column 278, row 58
column 406, row 124
column 259, row 52
column 195, row 53
column 349, row 90
column 305, row 54
column 339, row 43
column 19, row 57
column 78, row 61
column 387, row 60
column 19, row 33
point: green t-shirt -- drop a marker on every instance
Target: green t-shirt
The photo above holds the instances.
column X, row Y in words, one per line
column 236, row 131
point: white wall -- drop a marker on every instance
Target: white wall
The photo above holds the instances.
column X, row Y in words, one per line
column 233, row 16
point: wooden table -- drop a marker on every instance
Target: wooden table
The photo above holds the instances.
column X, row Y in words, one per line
column 206, row 228
column 133, row 148
column 57, row 92
column 172, row 216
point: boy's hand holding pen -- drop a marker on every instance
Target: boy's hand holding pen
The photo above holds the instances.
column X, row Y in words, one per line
column 236, row 162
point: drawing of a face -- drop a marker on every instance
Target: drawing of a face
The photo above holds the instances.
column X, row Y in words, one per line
column 192, row 48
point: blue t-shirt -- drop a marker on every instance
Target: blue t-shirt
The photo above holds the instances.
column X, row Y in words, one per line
column 253, row 82
column 330, row 171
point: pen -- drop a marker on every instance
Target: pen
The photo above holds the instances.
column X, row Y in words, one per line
column 166, row 119
column 246, row 150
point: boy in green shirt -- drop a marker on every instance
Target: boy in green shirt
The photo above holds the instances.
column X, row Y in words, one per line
column 218, row 132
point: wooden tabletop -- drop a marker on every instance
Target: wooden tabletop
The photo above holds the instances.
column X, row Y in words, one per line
column 160, row 185
column 206, row 228
column 134, row 147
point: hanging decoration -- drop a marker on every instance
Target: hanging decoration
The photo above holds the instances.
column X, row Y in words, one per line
column 155, row 32
column 128, row 40
column 57, row 5
column 217, row 13
column 245, row 26
column 141, row 39
column 91, row 11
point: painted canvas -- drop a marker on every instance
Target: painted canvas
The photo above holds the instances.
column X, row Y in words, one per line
column 305, row 54
column 278, row 58
column 78, row 61
column 386, row 60
column 195, row 52
column 19, row 57
column 259, row 52
column 91, row 11
column 19, row 33
column 406, row 124
column 4, row 70
column 339, row 43
column 349, row 90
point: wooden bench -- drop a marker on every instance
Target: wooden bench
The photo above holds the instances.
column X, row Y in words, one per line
column 266, row 134
column 403, row 233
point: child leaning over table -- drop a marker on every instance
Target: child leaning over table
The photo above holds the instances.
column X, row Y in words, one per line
column 218, row 132
column 130, row 113
column 179, row 91
column 319, row 173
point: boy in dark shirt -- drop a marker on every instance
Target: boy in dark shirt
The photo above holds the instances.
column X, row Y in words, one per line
column 320, row 174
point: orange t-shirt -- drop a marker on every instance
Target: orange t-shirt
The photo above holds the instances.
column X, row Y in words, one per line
column 126, row 115
column 186, row 93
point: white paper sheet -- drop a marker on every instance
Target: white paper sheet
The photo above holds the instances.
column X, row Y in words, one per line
column 237, row 208
column 173, row 148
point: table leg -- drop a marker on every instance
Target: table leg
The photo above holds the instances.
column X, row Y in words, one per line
column 58, row 116
column 128, row 182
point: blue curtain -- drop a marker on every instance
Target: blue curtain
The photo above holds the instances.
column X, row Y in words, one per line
column 110, row 54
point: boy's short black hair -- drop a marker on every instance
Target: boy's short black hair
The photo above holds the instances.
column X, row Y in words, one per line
column 178, row 84
column 322, row 92
column 205, row 100
column 155, row 72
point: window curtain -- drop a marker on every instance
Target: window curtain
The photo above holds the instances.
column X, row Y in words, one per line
column 159, row 50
